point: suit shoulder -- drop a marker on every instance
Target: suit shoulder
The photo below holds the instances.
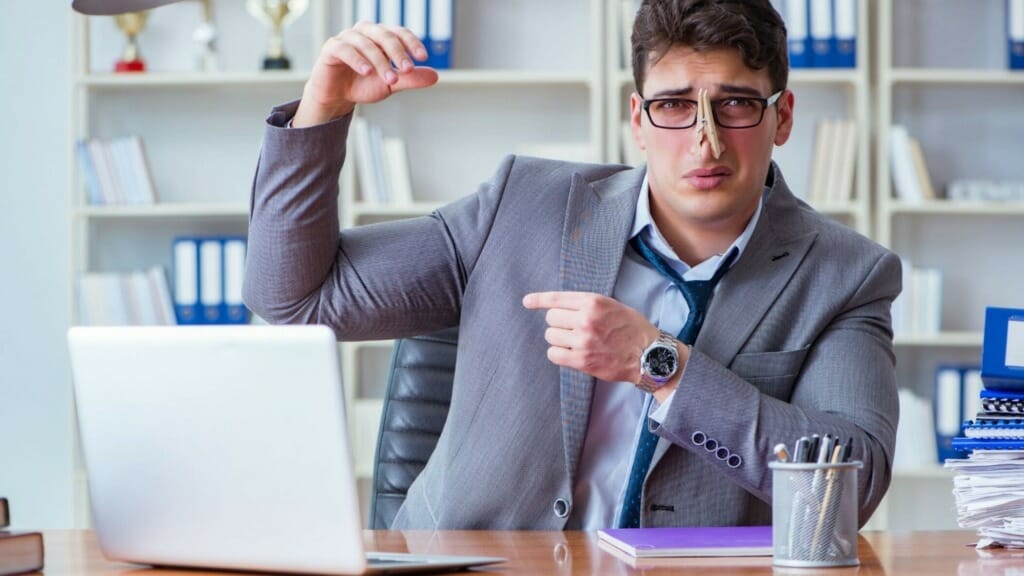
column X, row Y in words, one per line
column 530, row 169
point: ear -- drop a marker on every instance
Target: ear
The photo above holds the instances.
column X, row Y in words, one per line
column 784, row 112
column 635, row 111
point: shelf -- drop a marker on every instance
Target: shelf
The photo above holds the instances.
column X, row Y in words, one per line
column 188, row 79
column 836, row 209
column 192, row 210
column 361, row 209
column 936, row 472
column 959, row 208
column 942, row 339
column 511, row 77
column 824, row 76
column 956, row 76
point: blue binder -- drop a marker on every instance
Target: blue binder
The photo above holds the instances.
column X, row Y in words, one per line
column 1002, row 350
column 208, row 276
column 440, row 27
column 1015, row 33
column 948, row 408
column 823, row 36
column 186, row 280
column 798, row 33
column 845, row 13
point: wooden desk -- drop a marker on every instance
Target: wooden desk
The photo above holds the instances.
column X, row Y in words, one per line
column 75, row 553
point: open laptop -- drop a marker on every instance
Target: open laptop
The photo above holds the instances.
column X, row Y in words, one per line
column 224, row 447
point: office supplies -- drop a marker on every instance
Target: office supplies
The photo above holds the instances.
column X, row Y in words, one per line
column 1002, row 402
column 798, row 35
column 802, row 449
column 690, row 541
column 20, row 552
column 222, row 447
column 441, row 22
column 814, row 523
column 1002, row 350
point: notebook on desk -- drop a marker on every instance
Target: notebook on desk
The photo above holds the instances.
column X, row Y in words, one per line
column 223, row 447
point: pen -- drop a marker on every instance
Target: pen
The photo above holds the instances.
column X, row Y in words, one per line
column 802, row 449
column 826, row 503
column 848, row 450
column 780, row 452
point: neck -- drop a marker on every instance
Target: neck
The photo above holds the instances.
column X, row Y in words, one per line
column 694, row 241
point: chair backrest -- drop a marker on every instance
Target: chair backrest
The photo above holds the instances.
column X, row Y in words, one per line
column 415, row 409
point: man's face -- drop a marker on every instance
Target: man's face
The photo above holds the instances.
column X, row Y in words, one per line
column 688, row 184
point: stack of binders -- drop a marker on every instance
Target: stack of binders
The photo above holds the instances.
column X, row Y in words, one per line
column 989, row 483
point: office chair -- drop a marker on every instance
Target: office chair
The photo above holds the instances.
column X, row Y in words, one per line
column 415, row 409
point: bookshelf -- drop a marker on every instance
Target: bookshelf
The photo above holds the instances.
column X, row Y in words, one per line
column 820, row 94
column 960, row 104
column 504, row 60
column 201, row 131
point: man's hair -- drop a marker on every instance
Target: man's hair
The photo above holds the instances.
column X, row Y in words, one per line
column 752, row 27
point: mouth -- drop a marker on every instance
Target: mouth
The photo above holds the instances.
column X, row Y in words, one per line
column 707, row 178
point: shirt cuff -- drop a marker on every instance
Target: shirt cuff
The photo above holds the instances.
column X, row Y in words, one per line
column 661, row 412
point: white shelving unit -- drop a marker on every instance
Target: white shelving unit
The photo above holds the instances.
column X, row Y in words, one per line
column 958, row 99
column 820, row 94
column 516, row 81
column 201, row 131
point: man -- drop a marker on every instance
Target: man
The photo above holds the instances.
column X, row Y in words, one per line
column 596, row 386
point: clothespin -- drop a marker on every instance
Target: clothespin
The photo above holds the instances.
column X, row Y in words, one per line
column 706, row 127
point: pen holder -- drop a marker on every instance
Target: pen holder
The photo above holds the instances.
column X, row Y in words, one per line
column 814, row 514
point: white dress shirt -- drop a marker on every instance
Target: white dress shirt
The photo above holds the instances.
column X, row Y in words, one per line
column 617, row 407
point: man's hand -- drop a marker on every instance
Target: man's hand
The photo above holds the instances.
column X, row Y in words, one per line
column 594, row 334
column 355, row 67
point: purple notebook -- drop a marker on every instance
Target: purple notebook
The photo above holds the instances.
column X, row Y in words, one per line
column 698, row 541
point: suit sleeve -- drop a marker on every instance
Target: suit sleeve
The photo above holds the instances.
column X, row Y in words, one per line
column 846, row 387
column 384, row 280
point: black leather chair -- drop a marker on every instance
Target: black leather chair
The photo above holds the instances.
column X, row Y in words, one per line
column 415, row 409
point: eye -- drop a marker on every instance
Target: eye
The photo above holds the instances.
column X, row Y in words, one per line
column 672, row 105
column 737, row 103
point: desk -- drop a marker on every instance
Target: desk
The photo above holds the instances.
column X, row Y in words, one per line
column 76, row 553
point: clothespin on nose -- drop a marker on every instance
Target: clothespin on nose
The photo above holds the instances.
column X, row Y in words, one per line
column 706, row 127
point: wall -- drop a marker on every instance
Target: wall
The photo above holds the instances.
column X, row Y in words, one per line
column 35, row 397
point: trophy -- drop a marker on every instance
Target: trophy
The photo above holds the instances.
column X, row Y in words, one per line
column 131, row 23
column 276, row 14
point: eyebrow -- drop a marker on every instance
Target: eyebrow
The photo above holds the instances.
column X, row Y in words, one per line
column 724, row 90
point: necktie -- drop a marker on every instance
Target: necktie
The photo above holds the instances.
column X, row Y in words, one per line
column 697, row 293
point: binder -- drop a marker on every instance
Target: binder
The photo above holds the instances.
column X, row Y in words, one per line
column 186, row 280
column 798, row 34
column 1002, row 349
column 823, row 38
column 94, row 193
column 389, row 12
column 948, row 408
column 211, row 280
column 964, row 444
column 1002, row 402
column 441, row 23
column 365, row 11
column 234, row 311
column 1015, row 33
column 994, row 429
column 414, row 17
column 845, row 14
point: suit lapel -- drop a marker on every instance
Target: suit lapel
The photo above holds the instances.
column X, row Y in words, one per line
column 598, row 218
column 755, row 281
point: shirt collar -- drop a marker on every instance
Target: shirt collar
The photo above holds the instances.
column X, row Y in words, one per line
column 644, row 224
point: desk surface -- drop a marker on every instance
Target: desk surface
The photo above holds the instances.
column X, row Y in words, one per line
column 77, row 553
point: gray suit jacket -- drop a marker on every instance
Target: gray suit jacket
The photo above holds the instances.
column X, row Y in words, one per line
column 797, row 340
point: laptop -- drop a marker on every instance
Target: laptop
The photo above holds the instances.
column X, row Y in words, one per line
column 224, row 447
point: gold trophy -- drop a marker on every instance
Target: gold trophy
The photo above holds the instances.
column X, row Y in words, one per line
column 276, row 14
column 131, row 23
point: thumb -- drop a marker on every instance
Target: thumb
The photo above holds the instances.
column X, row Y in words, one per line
column 418, row 77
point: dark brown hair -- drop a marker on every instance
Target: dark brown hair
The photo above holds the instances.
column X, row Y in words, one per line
column 752, row 27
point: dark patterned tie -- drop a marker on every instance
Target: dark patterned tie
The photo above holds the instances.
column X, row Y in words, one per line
column 697, row 294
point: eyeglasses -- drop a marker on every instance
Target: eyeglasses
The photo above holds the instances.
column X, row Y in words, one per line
column 731, row 112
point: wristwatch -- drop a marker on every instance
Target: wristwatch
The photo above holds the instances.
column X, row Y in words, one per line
column 658, row 363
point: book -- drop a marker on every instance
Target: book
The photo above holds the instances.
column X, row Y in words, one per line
column 711, row 563
column 691, row 541
column 5, row 513
column 20, row 552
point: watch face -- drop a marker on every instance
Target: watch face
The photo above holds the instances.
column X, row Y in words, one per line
column 660, row 362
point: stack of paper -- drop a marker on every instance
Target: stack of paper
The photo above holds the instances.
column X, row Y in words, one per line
column 989, row 492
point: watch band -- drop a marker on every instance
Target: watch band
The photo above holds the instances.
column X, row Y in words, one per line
column 649, row 383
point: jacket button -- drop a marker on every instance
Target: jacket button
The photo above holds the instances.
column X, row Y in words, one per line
column 698, row 438
column 722, row 453
column 562, row 508
column 711, row 445
column 734, row 461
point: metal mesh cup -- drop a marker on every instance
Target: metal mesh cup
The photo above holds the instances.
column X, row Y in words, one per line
column 814, row 514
